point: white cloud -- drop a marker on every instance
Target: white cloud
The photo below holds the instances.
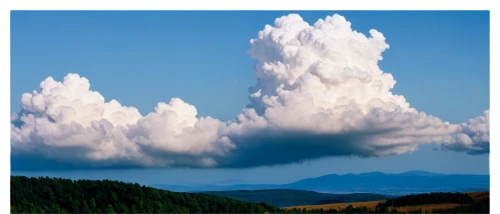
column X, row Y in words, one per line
column 319, row 93
column 473, row 137
column 66, row 120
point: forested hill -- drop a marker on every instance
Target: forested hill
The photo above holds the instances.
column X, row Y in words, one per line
column 430, row 198
column 288, row 197
column 57, row 195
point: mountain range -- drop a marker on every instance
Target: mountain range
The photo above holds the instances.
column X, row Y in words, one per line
column 373, row 182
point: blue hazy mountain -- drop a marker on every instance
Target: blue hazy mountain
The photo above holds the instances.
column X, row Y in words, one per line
column 421, row 173
column 372, row 182
column 409, row 182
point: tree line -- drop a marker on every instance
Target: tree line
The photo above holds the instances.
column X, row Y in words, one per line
column 57, row 195
column 430, row 198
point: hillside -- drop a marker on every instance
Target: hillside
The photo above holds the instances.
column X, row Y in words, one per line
column 56, row 195
column 412, row 182
column 286, row 197
column 473, row 202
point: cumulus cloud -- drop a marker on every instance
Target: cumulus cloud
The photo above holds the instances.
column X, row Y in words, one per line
column 66, row 120
column 474, row 137
column 319, row 93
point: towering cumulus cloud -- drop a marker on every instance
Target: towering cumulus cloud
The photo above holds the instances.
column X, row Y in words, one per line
column 319, row 93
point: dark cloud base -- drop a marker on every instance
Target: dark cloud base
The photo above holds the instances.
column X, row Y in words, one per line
column 40, row 163
column 265, row 148
column 295, row 147
column 479, row 148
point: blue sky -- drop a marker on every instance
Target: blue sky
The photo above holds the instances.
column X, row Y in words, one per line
column 440, row 61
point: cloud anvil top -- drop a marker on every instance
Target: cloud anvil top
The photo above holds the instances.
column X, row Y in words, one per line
column 319, row 93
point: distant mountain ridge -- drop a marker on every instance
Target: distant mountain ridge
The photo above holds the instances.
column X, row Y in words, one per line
column 421, row 173
column 371, row 182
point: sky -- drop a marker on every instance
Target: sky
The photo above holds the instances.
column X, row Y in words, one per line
column 439, row 60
